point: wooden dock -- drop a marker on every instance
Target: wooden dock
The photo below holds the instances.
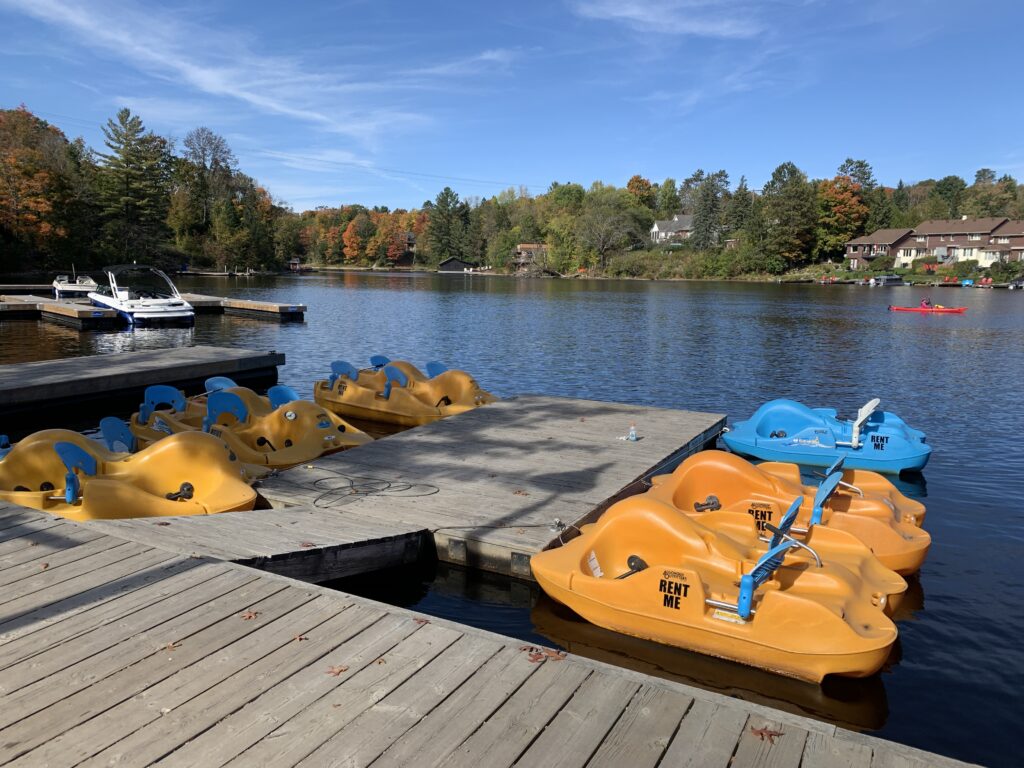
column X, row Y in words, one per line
column 113, row 651
column 72, row 314
column 43, row 393
column 491, row 487
column 260, row 310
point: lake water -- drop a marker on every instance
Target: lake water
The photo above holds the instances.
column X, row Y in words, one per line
column 955, row 684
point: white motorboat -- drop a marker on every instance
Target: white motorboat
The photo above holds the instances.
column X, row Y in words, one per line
column 143, row 296
column 73, row 287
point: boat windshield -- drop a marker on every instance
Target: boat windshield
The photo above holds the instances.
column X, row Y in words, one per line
column 144, row 283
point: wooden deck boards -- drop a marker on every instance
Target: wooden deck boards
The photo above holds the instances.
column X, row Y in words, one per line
column 491, row 484
column 152, row 657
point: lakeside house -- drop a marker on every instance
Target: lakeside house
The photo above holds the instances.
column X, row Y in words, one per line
column 529, row 257
column 455, row 265
column 679, row 227
column 862, row 251
column 948, row 241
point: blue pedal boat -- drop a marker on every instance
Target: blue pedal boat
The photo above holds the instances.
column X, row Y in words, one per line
column 785, row 430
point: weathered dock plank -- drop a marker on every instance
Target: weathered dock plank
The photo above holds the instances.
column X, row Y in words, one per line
column 42, row 393
column 261, row 310
column 491, row 484
column 213, row 663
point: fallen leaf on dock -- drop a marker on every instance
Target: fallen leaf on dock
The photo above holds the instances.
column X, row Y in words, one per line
column 45, row 566
column 536, row 658
column 161, row 522
column 172, row 646
column 766, row 733
column 300, row 638
column 379, row 661
column 250, row 615
column 583, row 418
column 520, row 492
column 335, row 671
column 307, row 544
column 422, row 621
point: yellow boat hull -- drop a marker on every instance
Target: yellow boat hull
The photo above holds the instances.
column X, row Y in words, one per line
column 422, row 401
column 887, row 522
column 127, row 485
column 808, row 621
column 276, row 438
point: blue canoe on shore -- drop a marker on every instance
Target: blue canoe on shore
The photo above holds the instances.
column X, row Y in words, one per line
column 785, row 430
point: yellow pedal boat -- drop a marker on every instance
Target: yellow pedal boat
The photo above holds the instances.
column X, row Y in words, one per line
column 68, row 474
column 277, row 431
column 645, row 570
column 397, row 392
column 721, row 489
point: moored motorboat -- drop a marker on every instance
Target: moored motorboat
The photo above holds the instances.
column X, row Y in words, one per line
column 143, row 296
column 645, row 570
column 70, row 475
column 397, row 392
column 785, row 430
column 277, row 431
column 937, row 310
column 725, row 492
column 73, row 287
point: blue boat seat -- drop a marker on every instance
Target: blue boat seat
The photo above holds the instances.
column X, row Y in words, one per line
column 763, row 570
column 217, row 383
column 5, row 446
column 75, row 457
column 394, row 376
column 435, row 368
column 157, row 395
column 220, row 403
column 825, row 490
column 280, row 394
column 341, row 368
column 379, row 361
column 115, row 431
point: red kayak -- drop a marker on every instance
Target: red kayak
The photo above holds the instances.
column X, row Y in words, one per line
column 936, row 310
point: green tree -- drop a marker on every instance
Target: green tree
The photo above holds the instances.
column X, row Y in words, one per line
column 790, row 214
column 950, row 190
column 133, row 185
column 860, row 172
column 446, row 233
column 708, row 210
column 641, row 189
column 667, row 199
column 740, row 207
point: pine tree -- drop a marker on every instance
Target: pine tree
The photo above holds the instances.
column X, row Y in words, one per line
column 790, row 215
column 740, row 208
column 133, row 187
column 708, row 210
column 668, row 199
column 446, row 232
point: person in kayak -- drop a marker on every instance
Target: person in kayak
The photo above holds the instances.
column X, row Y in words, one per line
column 926, row 303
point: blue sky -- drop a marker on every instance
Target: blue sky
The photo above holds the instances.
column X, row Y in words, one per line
column 384, row 103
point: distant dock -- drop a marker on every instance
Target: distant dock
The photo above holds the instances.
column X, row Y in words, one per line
column 42, row 393
column 85, row 317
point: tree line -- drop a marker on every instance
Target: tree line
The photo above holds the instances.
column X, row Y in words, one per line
column 143, row 198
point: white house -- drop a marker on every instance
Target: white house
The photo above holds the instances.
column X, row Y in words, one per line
column 679, row 227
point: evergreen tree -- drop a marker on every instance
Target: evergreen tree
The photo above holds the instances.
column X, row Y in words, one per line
column 133, row 185
column 861, row 173
column 950, row 190
column 446, row 232
column 789, row 215
column 880, row 210
column 740, row 207
column 708, row 210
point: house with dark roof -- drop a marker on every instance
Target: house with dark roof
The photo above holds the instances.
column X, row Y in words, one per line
column 861, row 251
column 948, row 240
column 679, row 227
column 1006, row 243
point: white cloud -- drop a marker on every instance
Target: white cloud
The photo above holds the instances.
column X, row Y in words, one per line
column 700, row 18
column 495, row 58
column 218, row 63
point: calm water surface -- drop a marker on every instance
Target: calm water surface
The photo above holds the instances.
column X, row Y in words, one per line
column 955, row 684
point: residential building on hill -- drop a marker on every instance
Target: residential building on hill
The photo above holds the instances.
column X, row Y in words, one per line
column 679, row 227
column 862, row 251
column 948, row 240
column 1006, row 243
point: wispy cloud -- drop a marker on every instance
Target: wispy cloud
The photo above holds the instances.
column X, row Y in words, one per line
column 493, row 59
column 701, row 18
column 217, row 63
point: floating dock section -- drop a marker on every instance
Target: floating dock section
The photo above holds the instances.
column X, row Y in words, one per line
column 48, row 392
column 486, row 489
column 260, row 310
column 112, row 651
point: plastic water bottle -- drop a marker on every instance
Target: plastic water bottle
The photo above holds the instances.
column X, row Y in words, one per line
column 632, row 433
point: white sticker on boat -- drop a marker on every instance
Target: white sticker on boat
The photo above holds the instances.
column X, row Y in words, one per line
column 595, row 567
column 721, row 615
